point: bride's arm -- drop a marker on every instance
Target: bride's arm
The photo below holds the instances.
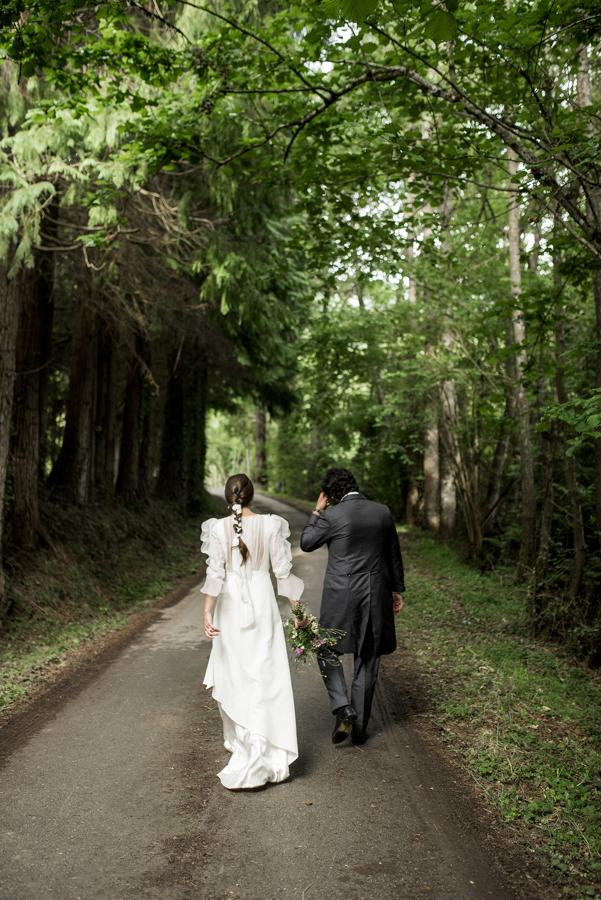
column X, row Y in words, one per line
column 210, row 630
column 280, row 552
column 215, row 574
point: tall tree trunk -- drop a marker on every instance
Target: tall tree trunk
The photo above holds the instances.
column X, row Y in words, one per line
column 196, row 447
column 412, row 498
column 597, row 296
column 431, row 463
column 72, row 473
column 497, row 469
column 25, row 447
column 518, row 339
column 171, row 466
column 448, row 397
column 146, row 439
column 432, row 475
column 541, row 568
column 585, row 98
column 260, row 469
column 411, row 501
column 448, row 453
column 315, row 462
column 128, row 487
column 467, row 483
column 448, row 487
column 34, row 340
column 106, row 416
column 572, row 487
column 10, row 298
column 10, row 307
column 46, row 266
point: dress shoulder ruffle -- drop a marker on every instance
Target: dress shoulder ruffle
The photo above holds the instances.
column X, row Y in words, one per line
column 289, row 585
column 281, row 525
column 207, row 529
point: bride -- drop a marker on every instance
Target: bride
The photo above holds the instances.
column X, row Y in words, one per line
column 248, row 668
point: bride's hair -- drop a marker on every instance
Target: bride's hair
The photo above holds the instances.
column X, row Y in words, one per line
column 239, row 490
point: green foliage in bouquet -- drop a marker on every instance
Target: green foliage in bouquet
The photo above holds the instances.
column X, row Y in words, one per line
column 311, row 639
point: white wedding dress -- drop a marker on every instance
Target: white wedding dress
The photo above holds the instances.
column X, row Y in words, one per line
column 248, row 669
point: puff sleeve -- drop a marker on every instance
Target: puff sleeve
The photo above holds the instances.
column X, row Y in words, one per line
column 280, row 553
column 212, row 546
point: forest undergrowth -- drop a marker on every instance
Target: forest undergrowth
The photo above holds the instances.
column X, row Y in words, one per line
column 523, row 717
column 105, row 564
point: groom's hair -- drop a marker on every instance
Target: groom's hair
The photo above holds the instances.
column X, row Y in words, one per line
column 337, row 483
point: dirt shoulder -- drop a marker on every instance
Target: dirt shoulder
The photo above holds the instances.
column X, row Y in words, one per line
column 58, row 683
column 518, row 721
column 410, row 706
column 102, row 569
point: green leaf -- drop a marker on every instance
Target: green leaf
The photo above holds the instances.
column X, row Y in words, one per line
column 441, row 26
column 331, row 8
column 317, row 35
column 353, row 10
column 28, row 68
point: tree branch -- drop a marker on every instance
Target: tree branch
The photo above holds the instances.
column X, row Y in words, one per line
column 260, row 40
column 157, row 17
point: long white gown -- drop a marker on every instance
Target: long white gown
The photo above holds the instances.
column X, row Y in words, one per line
column 248, row 670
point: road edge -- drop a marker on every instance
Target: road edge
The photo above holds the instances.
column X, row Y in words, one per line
column 23, row 718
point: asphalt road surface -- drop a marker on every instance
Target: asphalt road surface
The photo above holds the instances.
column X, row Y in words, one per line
column 113, row 793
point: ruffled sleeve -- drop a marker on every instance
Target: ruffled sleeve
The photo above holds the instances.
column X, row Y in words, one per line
column 213, row 547
column 280, row 553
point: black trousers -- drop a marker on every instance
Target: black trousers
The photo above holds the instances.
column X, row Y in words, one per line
column 365, row 676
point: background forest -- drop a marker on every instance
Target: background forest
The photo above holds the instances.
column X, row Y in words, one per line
column 278, row 237
column 374, row 225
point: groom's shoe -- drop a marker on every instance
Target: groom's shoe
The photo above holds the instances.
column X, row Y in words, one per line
column 345, row 716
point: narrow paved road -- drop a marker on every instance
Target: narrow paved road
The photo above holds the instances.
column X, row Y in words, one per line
column 115, row 796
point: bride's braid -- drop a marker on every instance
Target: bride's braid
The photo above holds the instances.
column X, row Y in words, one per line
column 239, row 492
column 237, row 510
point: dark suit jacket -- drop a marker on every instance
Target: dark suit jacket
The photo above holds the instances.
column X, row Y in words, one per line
column 364, row 568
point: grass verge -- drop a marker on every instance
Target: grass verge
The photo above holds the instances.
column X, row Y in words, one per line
column 525, row 719
column 106, row 564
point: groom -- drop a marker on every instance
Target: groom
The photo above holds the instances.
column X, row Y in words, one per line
column 361, row 593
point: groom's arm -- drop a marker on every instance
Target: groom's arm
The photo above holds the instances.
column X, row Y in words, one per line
column 315, row 533
column 395, row 560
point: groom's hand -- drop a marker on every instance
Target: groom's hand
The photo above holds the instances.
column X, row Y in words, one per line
column 397, row 602
column 322, row 501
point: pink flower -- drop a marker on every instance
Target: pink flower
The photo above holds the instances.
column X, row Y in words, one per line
column 299, row 651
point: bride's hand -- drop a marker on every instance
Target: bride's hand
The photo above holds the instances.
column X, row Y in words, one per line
column 299, row 622
column 210, row 630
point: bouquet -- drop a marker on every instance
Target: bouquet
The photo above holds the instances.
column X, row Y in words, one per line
column 311, row 638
